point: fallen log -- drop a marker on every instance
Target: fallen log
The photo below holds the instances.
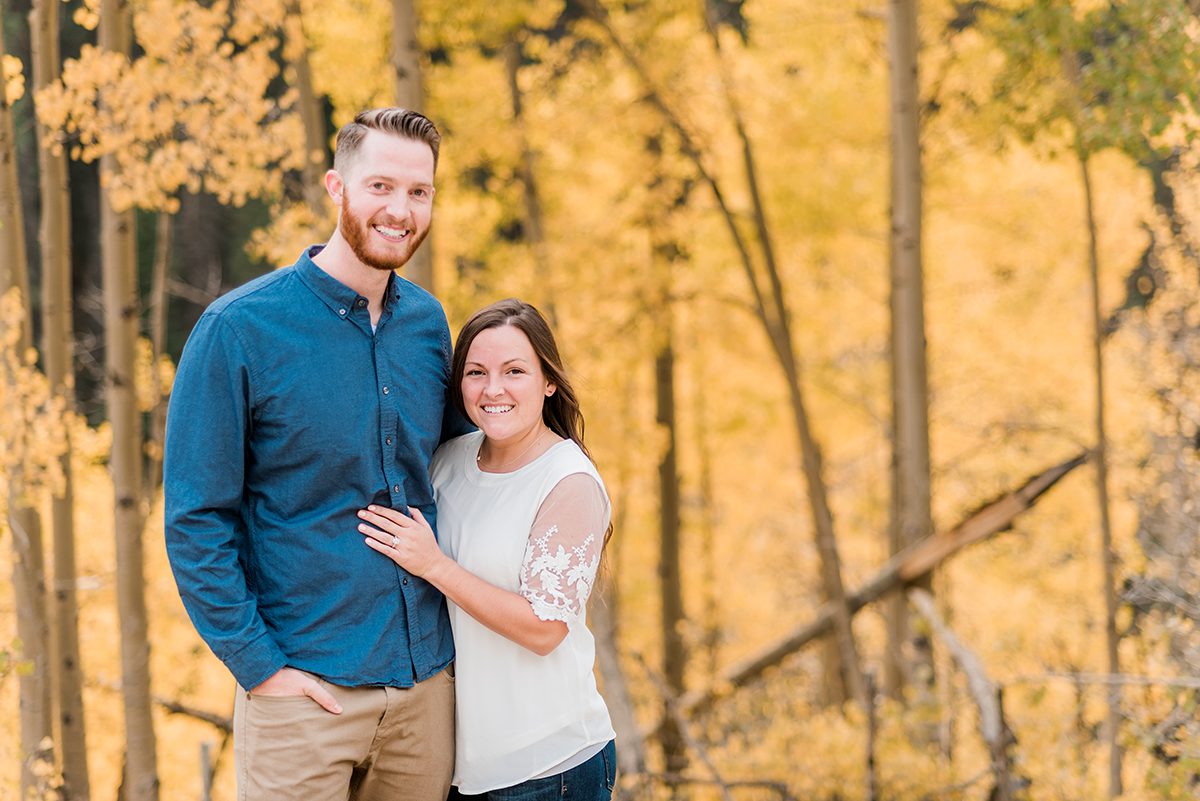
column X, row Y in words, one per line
column 904, row 568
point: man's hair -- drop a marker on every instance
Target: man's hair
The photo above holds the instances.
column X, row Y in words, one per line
column 401, row 122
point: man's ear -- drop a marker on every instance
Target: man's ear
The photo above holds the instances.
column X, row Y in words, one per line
column 334, row 186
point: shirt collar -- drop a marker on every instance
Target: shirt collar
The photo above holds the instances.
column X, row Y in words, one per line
column 340, row 298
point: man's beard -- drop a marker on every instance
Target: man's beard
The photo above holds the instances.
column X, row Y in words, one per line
column 357, row 232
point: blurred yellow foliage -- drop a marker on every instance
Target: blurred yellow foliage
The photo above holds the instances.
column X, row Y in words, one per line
column 1007, row 327
column 31, row 428
column 193, row 112
column 292, row 226
column 13, row 75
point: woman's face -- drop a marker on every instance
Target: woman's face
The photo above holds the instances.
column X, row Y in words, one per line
column 503, row 387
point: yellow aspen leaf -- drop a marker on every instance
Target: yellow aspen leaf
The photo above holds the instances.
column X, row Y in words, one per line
column 14, row 79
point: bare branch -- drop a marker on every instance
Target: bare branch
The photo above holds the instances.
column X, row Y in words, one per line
column 221, row 722
column 672, row 705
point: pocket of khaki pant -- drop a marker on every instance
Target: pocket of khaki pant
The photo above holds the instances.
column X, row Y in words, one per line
column 286, row 749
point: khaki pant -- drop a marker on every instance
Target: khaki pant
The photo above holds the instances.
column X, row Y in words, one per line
column 388, row 744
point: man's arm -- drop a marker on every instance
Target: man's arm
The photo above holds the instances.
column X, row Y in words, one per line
column 454, row 424
column 208, row 421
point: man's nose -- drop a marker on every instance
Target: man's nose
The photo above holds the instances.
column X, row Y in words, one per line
column 398, row 205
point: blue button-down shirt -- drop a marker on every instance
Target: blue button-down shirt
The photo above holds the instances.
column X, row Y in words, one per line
column 288, row 415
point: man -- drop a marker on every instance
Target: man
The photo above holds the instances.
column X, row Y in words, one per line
column 300, row 398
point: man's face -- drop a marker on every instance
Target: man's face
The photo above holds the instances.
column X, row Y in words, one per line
column 386, row 200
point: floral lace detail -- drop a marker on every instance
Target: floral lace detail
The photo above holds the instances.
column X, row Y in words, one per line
column 557, row 580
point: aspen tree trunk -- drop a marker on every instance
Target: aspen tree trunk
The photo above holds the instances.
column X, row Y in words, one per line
column 57, row 350
column 121, row 327
column 911, row 519
column 605, row 614
column 843, row 674
column 1107, row 556
column 534, row 219
column 410, row 93
column 159, row 276
column 24, row 524
column 316, row 158
column 604, row 620
column 706, row 520
column 669, row 558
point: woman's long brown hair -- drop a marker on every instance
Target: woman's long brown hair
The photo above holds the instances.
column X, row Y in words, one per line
column 560, row 412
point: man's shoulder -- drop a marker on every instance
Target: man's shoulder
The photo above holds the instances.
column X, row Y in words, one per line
column 266, row 288
column 417, row 296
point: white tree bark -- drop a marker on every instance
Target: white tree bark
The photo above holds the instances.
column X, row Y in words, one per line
column 119, row 269
column 55, row 233
column 24, row 524
column 410, row 93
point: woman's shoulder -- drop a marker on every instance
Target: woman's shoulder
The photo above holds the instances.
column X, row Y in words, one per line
column 569, row 459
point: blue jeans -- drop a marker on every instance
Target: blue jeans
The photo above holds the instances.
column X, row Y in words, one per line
column 592, row 781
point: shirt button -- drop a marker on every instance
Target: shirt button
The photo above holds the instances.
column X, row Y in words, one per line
column 342, row 312
column 396, row 488
column 388, row 441
column 405, row 581
column 386, row 390
column 360, row 302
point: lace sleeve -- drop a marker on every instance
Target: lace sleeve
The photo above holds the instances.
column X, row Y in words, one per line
column 564, row 546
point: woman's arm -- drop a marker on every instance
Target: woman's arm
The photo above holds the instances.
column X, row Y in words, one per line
column 409, row 542
column 557, row 572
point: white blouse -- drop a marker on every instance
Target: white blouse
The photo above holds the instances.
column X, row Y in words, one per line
column 537, row 531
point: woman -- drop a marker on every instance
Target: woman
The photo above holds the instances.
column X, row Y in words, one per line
column 522, row 520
